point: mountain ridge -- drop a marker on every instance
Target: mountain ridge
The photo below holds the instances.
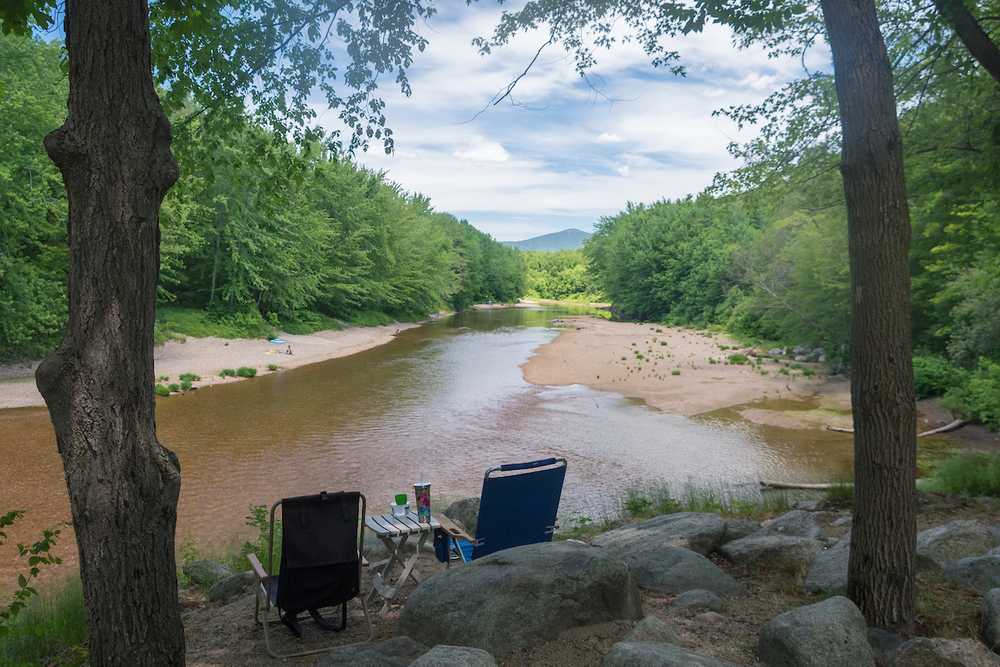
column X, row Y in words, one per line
column 567, row 239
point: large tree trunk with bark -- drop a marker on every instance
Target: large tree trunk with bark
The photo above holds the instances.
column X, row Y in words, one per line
column 114, row 155
column 881, row 570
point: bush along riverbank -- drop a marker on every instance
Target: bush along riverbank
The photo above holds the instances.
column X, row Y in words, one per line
column 709, row 577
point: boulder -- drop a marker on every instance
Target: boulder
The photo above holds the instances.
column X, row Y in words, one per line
column 802, row 358
column 739, row 528
column 801, row 350
column 656, row 654
column 828, row 571
column 935, row 652
column 231, row 587
column 700, row 532
column 798, row 523
column 465, row 512
column 520, row 597
column 674, row 570
column 981, row 573
column 776, row 352
column 652, row 629
column 395, row 652
column 782, row 552
column 825, row 634
column 206, row 572
column 455, row 656
column 955, row 540
column 884, row 644
column 991, row 619
column 696, row 601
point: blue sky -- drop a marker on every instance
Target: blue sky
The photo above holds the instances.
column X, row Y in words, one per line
column 558, row 155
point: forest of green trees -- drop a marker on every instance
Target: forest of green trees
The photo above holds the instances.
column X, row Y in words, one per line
column 562, row 275
column 764, row 253
column 256, row 234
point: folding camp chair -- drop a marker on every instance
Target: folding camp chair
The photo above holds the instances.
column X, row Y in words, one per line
column 518, row 506
column 321, row 547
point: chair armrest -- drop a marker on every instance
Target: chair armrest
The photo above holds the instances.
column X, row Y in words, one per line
column 453, row 528
column 258, row 569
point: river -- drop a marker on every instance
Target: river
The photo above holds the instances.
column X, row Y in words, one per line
column 441, row 403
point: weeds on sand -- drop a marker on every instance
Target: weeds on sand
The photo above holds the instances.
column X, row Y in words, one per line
column 656, row 499
column 968, row 474
column 246, row 372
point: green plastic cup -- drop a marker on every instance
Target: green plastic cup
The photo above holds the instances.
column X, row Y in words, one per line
column 400, row 498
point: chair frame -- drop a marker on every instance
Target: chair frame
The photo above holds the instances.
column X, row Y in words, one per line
column 452, row 531
column 262, row 597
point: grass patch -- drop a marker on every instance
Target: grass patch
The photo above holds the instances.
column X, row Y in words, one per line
column 246, row 372
column 161, row 390
column 172, row 321
column 227, row 373
column 839, row 496
column 738, row 359
column 654, row 500
column 174, row 388
column 676, row 371
column 273, row 367
column 51, row 630
column 188, row 377
column 945, row 609
column 186, row 385
column 968, row 474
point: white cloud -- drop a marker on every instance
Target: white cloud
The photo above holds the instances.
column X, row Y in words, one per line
column 482, row 150
column 551, row 155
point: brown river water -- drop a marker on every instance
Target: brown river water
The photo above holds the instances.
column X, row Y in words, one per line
column 441, row 403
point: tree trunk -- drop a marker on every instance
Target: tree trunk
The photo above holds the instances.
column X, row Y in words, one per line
column 114, row 155
column 881, row 570
column 972, row 34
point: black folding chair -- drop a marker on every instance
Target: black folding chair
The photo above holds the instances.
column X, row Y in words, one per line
column 321, row 546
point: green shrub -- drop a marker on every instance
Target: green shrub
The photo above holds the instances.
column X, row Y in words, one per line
column 676, row 371
column 52, row 630
column 934, row 375
column 160, row 390
column 186, row 385
column 979, row 396
column 174, row 388
column 972, row 474
column 738, row 359
column 656, row 499
column 273, row 367
column 189, row 377
column 227, row 373
column 246, row 371
column 162, row 378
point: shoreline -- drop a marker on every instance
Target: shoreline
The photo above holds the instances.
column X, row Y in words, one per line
column 207, row 356
column 674, row 372
column 601, row 354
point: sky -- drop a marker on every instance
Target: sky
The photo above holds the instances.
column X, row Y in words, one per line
column 557, row 154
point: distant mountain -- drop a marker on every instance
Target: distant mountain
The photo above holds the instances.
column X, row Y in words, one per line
column 567, row 239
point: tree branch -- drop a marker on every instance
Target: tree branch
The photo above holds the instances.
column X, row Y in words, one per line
column 972, row 34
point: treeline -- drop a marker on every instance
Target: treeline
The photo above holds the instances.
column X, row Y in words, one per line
column 771, row 262
column 257, row 233
column 562, row 276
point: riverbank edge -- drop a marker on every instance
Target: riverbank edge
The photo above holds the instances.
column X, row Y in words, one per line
column 206, row 356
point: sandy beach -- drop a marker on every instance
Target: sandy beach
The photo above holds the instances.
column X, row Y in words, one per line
column 675, row 373
column 207, row 356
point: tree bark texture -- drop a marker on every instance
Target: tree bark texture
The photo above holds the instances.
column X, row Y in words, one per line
column 881, row 570
column 114, row 155
column 979, row 44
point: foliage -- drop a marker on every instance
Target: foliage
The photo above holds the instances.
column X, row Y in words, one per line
column 259, row 519
column 161, row 390
column 257, row 235
column 227, row 373
column 188, row 377
column 655, row 499
column 979, row 396
column 933, row 375
column 246, row 372
column 51, row 630
column 562, row 276
column 273, row 367
column 971, row 474
column 38, row 556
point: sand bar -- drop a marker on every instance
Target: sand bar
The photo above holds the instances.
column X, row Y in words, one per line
column 674, row 373
column 207, row 356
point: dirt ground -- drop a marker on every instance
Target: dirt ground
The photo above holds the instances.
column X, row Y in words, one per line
column 225, row 634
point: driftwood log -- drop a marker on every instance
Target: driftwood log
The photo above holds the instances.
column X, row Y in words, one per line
column 958, row 423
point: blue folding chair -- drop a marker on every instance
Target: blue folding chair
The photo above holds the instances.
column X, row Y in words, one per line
column 518, row 506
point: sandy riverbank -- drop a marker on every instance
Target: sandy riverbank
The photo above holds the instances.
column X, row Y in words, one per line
column 674, row 374
column 207, row 356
